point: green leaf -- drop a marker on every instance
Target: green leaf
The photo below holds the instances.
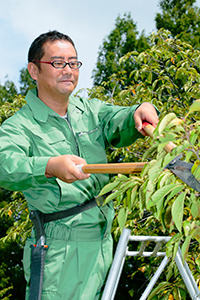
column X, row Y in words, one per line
column 185, row 247
column 155, row 170
column 154, row 84
column 196, row 169
column 134, row 194
column 167, row 138
column 198, row 261
column 165, row 121
column 188, row 155
column 176, row 245
column 137, row 74
column 166, row 297
column 176, row 293
column 160, row 212
column 149, row 78
column 150, row 188
column 196, row 234
column 130, row 183
column 195, row 209
column 162, row 286
column 163, row 179
column 186, row 227
column 160, row 194
column 141, row 200
column 112, row 196
column 122, row 216
column 195, row 106
column 122, row 177
column 175, row 152
column 175, row 191
column 170, row 272
column 183, row 293
column 169, row 246
column 193, row 137
column 177, row 211
column 109, row 187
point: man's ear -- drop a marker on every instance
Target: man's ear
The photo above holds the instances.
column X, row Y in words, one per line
column 33, row 70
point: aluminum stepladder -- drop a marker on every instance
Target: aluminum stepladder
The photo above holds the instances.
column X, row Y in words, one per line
column 119, row 260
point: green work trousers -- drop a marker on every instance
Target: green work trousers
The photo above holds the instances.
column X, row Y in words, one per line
column 76, row 262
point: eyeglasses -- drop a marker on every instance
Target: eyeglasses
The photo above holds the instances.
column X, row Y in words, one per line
column 61, row 64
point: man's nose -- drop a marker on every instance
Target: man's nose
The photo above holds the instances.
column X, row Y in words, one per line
column 67, row 70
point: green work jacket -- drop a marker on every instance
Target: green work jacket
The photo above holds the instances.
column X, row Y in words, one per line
column 36, row 133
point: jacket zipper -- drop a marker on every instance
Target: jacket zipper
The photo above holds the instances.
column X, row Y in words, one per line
column 77, row 149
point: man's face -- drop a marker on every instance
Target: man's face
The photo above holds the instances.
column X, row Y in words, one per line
column 54, row 82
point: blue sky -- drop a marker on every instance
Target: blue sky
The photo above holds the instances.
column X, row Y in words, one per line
column 87, row 22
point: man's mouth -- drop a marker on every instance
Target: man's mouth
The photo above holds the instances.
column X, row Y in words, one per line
column 68, row 81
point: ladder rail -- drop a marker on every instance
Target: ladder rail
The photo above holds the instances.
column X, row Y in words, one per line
column 145, row 253
column 119, row 260
column 187, row 277
column 154, row 278
column 117, row 266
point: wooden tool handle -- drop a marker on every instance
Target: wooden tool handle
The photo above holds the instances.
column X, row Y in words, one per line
column 118, row 168
column 149, row 129
column 122, row 168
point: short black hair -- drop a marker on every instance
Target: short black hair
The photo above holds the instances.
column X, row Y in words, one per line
column 36, row 50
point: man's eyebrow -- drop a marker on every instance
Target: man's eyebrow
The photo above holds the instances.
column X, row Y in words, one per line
column 61, row 57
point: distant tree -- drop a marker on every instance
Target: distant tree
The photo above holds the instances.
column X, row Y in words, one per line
column 7, row 91
column 14, row 227
column 122, row 39
column 181, row 18
column 12, row 282
column 26, row 82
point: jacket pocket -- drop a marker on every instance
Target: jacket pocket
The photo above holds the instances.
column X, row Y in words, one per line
column 52, row 142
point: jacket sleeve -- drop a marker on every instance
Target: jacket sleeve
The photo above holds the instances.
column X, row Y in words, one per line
column 18, row 170
column 118, row 125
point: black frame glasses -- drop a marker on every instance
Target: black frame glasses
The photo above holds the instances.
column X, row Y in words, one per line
column 61, row 64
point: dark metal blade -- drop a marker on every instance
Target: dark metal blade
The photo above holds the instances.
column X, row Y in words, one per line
column 182, row 169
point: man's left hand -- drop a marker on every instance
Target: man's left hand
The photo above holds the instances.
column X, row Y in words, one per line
column 145, row 112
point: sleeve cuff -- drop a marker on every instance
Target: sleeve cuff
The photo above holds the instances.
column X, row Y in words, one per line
column 39, row 169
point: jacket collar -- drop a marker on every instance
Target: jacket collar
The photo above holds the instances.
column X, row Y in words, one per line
column 41, row 111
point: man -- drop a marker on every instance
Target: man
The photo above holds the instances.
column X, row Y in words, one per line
column 40, row 148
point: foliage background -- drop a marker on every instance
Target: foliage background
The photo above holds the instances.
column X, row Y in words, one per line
column 164, row 70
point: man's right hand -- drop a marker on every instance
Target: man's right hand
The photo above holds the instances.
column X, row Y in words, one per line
column 64, row 168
